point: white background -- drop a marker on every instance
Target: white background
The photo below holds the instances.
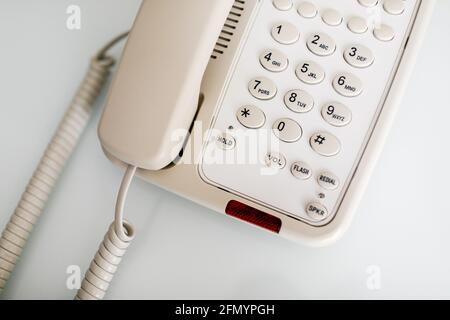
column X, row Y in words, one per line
column 183, row 250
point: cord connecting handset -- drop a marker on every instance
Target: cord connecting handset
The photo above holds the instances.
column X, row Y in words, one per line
column 51, row 165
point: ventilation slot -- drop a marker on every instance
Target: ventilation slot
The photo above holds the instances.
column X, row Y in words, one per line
column 229, row 29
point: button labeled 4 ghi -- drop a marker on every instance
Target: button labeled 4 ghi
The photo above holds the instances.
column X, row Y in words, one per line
column 274, row 60
column 262, row 88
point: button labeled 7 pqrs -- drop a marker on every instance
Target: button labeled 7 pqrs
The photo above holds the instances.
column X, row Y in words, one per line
column 262, row 88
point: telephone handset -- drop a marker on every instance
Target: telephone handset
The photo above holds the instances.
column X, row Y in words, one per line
column 297, row 99
column 157, row 87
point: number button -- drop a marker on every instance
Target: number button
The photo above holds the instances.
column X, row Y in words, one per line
column 251, row 117
column 262, row 88
column 274, row 60
column 328, row 181
column 325, row 144
column 347, row 85
column 336, row 114
column 310, row 72
column 357, row 25
column 285, row 33
column 299, row 101
column 321, row 44
column 359, row 56
column 287, row 130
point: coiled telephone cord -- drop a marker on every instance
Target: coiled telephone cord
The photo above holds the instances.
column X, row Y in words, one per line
column 51, row 165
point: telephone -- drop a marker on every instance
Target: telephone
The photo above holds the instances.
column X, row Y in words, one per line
column 272, row 112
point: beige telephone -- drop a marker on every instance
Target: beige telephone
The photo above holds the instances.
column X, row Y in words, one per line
column 270, row 111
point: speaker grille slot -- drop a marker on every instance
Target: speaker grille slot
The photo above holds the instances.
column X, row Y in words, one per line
column 229, row 28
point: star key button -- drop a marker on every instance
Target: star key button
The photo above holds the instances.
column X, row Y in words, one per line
column 325, row 144
column 251, row 117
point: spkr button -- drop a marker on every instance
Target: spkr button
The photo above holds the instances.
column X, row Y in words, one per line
column 316, row 211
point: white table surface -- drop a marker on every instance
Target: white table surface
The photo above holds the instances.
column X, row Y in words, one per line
column 183, row 250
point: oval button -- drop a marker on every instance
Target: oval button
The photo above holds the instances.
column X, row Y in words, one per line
column 347, row 85
column 328, row 181
column 321, row 44
column 336, row 114
column 316, row 211
column 285, row 33
column 225, row 141
column 274, row 60
column 301, row 170
column 251, row 117
column 262, row 88
column 275, row 160
column 287, row 130
column 299, row 101
column 310, row 72
column 359, row 56
column 325, row 144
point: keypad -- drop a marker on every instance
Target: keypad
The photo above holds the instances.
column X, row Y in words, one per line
column 309, row 87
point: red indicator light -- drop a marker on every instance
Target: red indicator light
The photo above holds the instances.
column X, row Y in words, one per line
column 254, row 216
